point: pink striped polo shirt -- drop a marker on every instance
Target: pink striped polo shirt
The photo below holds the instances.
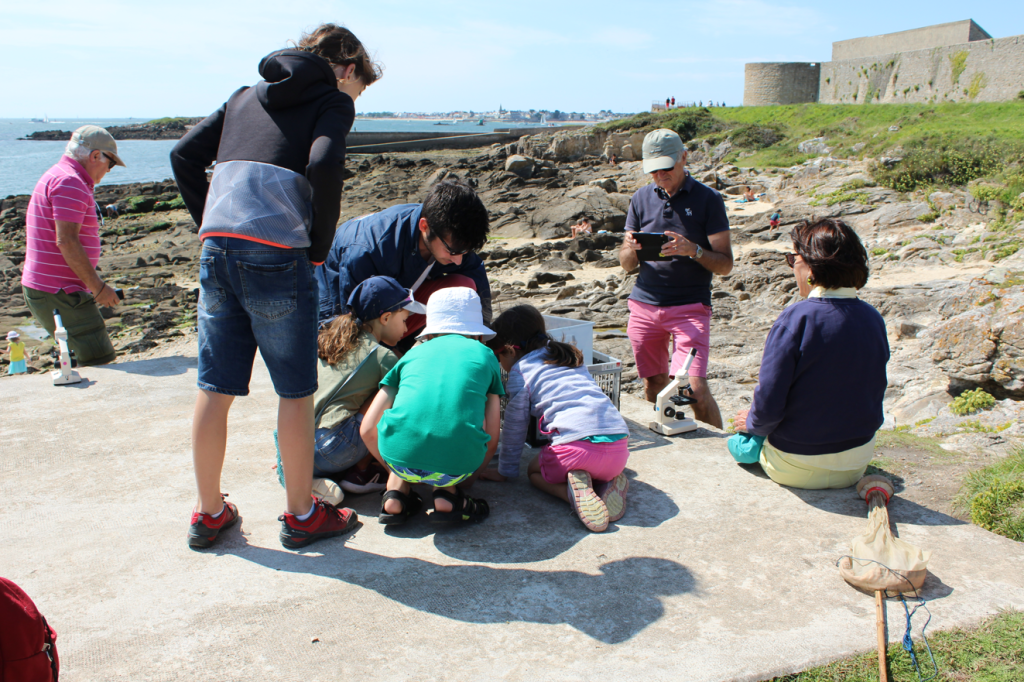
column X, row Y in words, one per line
column 63, row 193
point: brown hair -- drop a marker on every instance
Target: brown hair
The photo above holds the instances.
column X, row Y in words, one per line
column 337, row 339
column 523, row 328
column 833, row 252
column 340, row 47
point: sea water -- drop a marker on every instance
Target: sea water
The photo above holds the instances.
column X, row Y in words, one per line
column 23, row 162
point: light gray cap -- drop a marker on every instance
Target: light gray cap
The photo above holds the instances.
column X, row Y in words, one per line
column 662, row 148
column 97, row 139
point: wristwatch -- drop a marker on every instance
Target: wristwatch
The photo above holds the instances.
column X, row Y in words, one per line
column 699, row 254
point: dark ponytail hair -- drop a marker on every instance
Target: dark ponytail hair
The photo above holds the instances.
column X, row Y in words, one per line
column 522, row 327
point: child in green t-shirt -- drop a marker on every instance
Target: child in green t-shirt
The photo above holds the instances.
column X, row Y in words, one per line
column 436, row 419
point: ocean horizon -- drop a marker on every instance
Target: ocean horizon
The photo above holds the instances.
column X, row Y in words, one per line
column 23, row 162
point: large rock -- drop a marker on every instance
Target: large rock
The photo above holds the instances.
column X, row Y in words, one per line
column 520, row 165
column 984, row 345
column 815, row 145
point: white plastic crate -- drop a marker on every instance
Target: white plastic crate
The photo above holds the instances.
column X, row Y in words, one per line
column 579, row 333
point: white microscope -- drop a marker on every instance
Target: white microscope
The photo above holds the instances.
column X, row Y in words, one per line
column 64, row 375
column 669, row 405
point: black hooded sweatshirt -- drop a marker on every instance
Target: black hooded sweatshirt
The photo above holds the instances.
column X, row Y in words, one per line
column 296, row 118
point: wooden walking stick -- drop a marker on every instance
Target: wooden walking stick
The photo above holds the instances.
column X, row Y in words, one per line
column 876, row 491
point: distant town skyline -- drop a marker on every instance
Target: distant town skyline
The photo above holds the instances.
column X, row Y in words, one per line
column 145, row 60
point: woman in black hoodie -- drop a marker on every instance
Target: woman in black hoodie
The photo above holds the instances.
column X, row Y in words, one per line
column 266, row 218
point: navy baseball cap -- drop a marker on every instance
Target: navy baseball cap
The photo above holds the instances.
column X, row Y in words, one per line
column 378, row 295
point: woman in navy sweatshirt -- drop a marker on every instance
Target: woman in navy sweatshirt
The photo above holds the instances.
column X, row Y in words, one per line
column 819, row 397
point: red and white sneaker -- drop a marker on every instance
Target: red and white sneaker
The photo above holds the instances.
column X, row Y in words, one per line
column 585, row 502
column 326, row 521
column 205, row 529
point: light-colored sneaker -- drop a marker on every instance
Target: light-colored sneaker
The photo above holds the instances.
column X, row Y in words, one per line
column 614, row 495
column 327, row 490
column 585, row 502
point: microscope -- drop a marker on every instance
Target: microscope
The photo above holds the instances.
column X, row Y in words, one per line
column 64, row 375
column 669, row 406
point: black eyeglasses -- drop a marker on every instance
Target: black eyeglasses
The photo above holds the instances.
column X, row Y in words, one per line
column 451, row 251
column 110, row 162
column 790, row 259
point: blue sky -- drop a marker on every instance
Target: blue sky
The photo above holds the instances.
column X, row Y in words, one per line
column 106, row 58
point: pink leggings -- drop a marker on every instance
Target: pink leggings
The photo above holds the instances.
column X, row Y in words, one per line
column 603, row 461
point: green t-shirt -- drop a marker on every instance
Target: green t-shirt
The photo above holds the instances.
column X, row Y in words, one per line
column 437, row 421
column 346, row 402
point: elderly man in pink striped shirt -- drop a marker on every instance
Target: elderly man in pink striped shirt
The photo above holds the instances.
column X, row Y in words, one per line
column 63, row 246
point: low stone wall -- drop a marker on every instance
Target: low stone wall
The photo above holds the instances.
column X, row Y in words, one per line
column 981, row 71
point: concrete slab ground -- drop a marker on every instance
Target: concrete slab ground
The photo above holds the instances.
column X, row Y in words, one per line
column 715, row 573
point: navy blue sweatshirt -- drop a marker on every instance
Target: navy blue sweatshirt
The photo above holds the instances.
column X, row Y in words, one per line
column 296, row 118
column 822, row 377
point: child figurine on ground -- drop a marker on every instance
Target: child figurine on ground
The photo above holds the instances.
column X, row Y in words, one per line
column 16, row 347
column 352, row 363
column 584, row 462
column 435, row 420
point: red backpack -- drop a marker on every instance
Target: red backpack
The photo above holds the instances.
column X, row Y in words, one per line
column 27, row 650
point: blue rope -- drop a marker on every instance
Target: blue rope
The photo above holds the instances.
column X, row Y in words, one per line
column 908, row 641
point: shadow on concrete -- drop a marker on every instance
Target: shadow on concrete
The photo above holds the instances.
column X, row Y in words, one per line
column 612, row 607
column 642, row 438
column 86, row 382
column 846, row 502
column 526, row 525
column 156, row 367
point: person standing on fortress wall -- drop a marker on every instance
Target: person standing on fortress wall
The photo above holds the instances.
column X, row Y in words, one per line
column 673, row 102
column 63, row 246
column 425, row 247
column 670, row 305
column 266, row 218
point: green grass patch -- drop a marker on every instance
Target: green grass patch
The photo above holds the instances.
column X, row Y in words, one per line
column 911, row 441
column 992, row 652
column 970, row 402
column 994, row 497
column 964, row 131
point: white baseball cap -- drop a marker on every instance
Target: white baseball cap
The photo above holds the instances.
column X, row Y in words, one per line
column 456, row 310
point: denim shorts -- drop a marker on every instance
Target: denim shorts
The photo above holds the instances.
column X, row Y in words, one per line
column 339, row 448
column 256, row 296
column 334, row 451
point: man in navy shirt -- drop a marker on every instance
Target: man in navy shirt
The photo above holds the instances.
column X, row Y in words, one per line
column 425, row 246
column 671, row 300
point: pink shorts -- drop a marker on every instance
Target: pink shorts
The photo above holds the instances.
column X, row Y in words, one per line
column 603, row 461
column 652, row 329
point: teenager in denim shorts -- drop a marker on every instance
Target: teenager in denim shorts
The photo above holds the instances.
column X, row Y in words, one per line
column 267, row 217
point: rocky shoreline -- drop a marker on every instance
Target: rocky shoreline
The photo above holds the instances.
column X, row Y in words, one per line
column 949, row 287
column 171, row 130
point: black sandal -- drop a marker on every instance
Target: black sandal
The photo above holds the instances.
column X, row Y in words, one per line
column 473, row 510
column 411, row 505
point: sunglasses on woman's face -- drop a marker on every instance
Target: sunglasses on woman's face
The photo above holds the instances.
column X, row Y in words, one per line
column 790, row 259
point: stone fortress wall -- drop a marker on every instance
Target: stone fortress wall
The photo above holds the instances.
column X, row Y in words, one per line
column 781, row 83
column 951, row 62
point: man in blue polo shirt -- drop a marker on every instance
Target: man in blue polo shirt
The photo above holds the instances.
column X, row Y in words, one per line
column 671, row 301
column 425, row 247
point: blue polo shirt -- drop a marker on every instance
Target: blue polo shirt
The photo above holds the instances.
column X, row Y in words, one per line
column 385, row 243
column 696, row 211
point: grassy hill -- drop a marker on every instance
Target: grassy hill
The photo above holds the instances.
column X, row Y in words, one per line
column 939, row 144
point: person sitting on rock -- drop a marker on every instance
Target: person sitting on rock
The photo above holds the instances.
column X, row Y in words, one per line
column 436, row 418
column 774, row 219
column 352, row 363
column 671, row 300
column 818, row 402
column 425, row 247
column 748, row 194
column 583, row 227
column 583, row 465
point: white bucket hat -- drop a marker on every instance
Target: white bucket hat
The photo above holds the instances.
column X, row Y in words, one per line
column 455, row 310
column 13, row 335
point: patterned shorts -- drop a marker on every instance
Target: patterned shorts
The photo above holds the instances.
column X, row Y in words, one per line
column 416, row 476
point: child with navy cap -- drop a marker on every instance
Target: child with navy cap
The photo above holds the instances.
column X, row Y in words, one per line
column 352, row 363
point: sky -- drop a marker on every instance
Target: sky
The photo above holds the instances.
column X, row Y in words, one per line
column 114, row 59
